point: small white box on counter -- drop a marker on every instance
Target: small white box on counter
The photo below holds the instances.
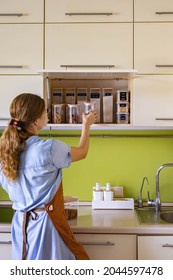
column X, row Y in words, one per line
column 118, row 203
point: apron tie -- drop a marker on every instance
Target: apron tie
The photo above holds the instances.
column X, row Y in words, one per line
column 34, row 216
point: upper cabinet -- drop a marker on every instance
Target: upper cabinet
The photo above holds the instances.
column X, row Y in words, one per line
column 89, row 11
column 22, row 45
column 89, row 44
column 153, row 11
column 153, row 45
column 20, row 11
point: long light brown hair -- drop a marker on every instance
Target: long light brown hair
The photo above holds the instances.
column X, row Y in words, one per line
column 26, row 108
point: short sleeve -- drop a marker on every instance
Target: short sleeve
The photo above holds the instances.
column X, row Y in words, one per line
column 60, row 153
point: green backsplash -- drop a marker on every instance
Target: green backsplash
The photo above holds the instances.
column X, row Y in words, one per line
column 121, row 158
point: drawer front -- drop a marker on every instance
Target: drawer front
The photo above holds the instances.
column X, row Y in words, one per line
column 5, row 246
column 147, row 10
column 88, row 11
column 109, row 246
column 89, row 44
column 20, row 11
column 155, row 247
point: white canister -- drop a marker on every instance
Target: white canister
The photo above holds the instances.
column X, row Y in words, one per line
column 108, row 193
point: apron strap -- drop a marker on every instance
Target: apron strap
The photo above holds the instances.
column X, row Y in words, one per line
column 26, row 216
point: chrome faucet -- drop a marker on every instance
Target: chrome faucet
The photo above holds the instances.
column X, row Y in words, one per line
column 157, row 202
column 139, row 200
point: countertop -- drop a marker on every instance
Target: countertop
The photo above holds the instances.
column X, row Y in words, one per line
column 110, row 221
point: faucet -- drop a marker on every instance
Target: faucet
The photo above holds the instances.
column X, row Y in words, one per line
column 157, row 202
column 139, row 200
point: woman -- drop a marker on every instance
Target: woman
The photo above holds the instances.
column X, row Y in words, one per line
column 31, row 173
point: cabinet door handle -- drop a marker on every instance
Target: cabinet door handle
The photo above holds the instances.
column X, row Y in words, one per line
column 164, row 65
column 106, row 243
column 88, row 14
column 164, row 119
column 5, row 242
column 11, row 15
column 11, row 66
column 4, row 119
column 167, row 245
column 86, row 66
column 164, row 13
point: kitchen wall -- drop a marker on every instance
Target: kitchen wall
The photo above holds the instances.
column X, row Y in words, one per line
column 122, row 159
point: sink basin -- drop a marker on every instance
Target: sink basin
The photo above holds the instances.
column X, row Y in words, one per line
column 148, row 215
column 6, row 213
column 167, row 217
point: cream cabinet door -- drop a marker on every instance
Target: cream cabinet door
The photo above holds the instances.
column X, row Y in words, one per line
column 153, row 45
column 10, row 86
column 108, row 246
column 5, row 246
column 153, row 10
column 155, row 247
column 21, row 48
column 89, row 44
column 18, row 11
column 88, row 11
column 153, row 100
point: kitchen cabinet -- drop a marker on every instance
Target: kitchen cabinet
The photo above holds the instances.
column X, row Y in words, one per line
column 109, row 246
column 88, row 11
column 20, row 11
column 117, row 80
column 155, row 247
column 21, row 48
column 153, row 50
column 153, row 100
column 89, row 44
column 5, row 246
column 154, row 11
column 10, row 86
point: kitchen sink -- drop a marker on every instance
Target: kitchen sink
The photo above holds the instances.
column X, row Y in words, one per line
column 6, row 213
column 148, row 215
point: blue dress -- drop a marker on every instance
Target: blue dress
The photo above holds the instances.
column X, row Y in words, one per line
column 40, row 174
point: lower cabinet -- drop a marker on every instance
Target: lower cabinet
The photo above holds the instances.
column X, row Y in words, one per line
column 155, row 247
column 5, row 246
column 109, row 246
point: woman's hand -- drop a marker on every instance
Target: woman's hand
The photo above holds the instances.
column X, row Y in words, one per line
column 90, row 118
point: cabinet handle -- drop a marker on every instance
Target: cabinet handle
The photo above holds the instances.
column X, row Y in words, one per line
column 106, row 243
column 11, row 15
column 164, row 65
column 5, row 242
column 11, row 66
column 87, row 66
column 164, row 119
column 164, row 13
column 167, row 245
column 88, row 14
column 4, row 119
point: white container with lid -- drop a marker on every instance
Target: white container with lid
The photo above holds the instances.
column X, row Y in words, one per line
column 122, row 95
column 122, row 107
column 108, row 193
column 122, row 118
column 97, row 192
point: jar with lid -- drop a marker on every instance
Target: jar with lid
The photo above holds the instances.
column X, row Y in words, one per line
column 88, row 107
column 73, row 113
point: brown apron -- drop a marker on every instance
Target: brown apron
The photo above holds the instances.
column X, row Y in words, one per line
column 56, row 212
